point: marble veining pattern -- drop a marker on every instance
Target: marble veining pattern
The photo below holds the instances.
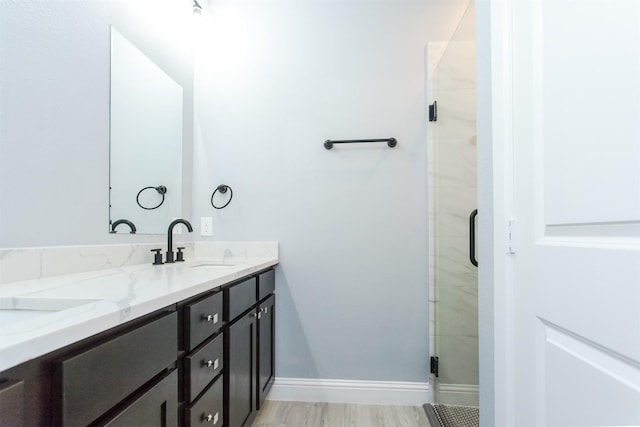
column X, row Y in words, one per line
column 39, row 263
column 61, row 309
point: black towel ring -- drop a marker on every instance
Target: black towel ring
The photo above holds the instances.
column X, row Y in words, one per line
column 162, row 190
column 223, row 189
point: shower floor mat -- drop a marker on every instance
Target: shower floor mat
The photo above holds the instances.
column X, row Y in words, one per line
column 452, row 415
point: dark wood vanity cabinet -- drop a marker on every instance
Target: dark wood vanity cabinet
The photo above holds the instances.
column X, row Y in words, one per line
column 203, row 360
column 266, row 335
column 202, row 318
column 91, row 384
column 249, row 346
column 240, row 381
column 208, row 360
column 114, row 378
column 12, row 403
column 156, row 406
column 266, row 347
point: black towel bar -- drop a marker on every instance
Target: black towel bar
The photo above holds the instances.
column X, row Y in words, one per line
column 391, row 142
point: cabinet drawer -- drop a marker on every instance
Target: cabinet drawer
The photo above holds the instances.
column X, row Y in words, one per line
column 203, row 318
column 203, row 366
column 208, row 409
column 241, row 297
column 158, row 406
column 91, row 382
column 266, row 284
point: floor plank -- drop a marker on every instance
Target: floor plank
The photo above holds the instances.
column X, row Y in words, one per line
column 311, row 414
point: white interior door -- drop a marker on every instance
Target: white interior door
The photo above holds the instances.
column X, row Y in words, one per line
column 576, row 153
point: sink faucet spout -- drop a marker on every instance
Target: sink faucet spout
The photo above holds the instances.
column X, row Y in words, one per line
column 170, row 237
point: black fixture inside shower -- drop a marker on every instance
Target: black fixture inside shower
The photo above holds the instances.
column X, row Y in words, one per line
column 472, row 237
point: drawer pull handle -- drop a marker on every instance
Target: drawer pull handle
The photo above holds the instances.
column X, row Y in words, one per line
column 212, row 364
column 212, row 418
column 211, row 318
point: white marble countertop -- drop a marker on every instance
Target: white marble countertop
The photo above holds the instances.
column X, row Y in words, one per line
column 41, row 315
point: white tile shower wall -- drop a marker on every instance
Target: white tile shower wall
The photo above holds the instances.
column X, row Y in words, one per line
column 37, row 263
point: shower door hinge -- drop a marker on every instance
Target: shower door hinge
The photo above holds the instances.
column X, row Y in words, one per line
column 510, row 240
column 434, row 365
column 433, row 112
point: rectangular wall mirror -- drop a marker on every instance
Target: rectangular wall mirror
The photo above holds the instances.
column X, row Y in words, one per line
column 145, row 143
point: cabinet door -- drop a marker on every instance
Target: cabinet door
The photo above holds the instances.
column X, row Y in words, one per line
column 240, row 376
column 12, row 403
column 156, row 407
column 266, row 347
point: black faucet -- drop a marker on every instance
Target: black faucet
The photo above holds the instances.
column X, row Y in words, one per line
column 123, row 221
column 169, row 258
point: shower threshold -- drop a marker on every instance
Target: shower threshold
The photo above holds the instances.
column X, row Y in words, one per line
column 452, row 415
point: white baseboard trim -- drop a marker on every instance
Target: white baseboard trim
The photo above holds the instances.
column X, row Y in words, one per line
column 350, row 391
column 458, row 394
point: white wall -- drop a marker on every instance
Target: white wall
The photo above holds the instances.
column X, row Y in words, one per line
column 488, row 228
column 274, row 80
column 54, row 110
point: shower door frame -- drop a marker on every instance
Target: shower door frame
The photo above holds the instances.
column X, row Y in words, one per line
column 452, row 146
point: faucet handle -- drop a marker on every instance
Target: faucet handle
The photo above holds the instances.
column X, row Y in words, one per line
column 180, row 255
column 157, row 258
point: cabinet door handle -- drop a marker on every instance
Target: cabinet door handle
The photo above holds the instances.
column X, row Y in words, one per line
column 211, row 318
column 211, row 418
column 212, row 364
column 472, row 237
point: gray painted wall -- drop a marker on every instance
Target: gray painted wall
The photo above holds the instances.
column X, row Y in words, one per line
column 273, row 82
column 276, row 81
column 54, row 111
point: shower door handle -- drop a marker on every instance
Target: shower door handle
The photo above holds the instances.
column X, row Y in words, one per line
column 472, row 237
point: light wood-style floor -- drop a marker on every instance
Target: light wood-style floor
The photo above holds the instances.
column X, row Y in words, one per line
column 306, row 414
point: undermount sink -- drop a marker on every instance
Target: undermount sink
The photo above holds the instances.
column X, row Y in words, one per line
column 14, row 310
column 212, row 265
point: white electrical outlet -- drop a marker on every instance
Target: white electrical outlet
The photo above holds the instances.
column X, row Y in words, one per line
column 206, row 226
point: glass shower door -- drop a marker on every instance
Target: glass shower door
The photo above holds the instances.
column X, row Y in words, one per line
column 454, row 188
